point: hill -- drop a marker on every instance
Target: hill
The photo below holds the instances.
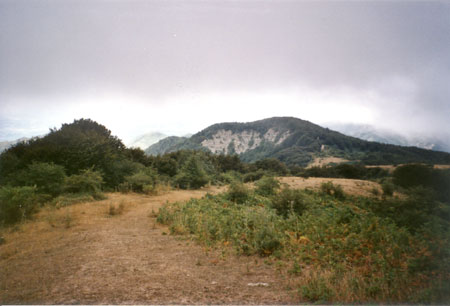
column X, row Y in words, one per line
column 293, row 141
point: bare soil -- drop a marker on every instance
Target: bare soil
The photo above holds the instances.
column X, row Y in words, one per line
column 83, row 255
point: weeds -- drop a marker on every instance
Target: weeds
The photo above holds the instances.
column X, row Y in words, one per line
column 114, row 211
column 358, row 254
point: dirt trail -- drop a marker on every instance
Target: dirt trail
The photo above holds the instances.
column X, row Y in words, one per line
column 82, row 255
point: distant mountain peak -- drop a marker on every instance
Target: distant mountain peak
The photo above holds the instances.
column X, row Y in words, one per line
column 293, row 141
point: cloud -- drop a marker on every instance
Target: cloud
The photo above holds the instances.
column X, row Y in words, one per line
column 384, row 63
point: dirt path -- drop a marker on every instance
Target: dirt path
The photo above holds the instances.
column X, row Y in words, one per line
column 82, row 255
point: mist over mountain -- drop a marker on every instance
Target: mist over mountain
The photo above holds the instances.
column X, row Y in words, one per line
column 146, row 140
column 293, row 141
column 371, row 133
column 7, row 144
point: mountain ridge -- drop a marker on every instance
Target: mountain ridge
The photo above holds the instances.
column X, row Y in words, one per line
column 293, row 141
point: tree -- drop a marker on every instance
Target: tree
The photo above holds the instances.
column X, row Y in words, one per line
column 192, row 174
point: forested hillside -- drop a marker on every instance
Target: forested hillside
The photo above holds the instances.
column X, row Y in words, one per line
column 295, row 142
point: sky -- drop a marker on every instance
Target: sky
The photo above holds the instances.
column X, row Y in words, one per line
column 177, row 67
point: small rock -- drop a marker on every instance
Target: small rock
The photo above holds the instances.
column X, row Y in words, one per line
column 258, row 284
column 213, row 283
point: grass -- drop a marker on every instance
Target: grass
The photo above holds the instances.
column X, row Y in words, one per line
column 114, row 210
column 338, row 248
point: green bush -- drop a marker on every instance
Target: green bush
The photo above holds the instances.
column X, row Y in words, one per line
column 17, row 203
column 333, row 190
column 412, row 175
column 254, row 175
column 87, row 182
column 124, row 187
column 289, row 201
column 267, row 186
column 145, row 177
column 317, row 291
column 388, row 189
column 238, row 192
column 192, row 175
column 229, row 177
column 47, row 177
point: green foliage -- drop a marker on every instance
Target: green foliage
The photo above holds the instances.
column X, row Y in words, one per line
column 192, row 174
column 333, row 190
column 87, row 182
column 413, row 212
column 357, row 247
column 413, row 175
column 272, row 165
column 267, row 186
column 290, row 201
column 47, row 177
column 80, row 145
column 254, row 175
column 317, row 290
column 17, row 204
column 344, row 171
column 238, row 192
column 142, row 179
column 388, row 189
column 229, row 177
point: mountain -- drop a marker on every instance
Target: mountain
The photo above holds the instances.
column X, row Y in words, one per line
column 370, row 133
column 293, row 141
column 146, row 140
column 168, row 144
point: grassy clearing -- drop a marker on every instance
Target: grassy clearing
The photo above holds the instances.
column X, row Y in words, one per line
column 338, row 248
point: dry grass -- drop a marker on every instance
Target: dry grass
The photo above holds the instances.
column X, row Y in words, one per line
column 350, row 186
column 323, row 161
column 82, row 255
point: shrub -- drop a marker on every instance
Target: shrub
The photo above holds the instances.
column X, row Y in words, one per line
column 413, row 175
column 17, row 203
column 388, row 189
column 267, row 186
column 238, row 192
column 254, row 175
column 333, row 190
column 124, row 187
column 88, row 182
column 229, row 177
column 47, row 177
column 138, row 181
column 192, row 174
column 317, row 290
column 289, row 201
column 113, row 210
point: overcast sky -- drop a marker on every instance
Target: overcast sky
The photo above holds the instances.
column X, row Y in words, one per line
column 179, row 66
